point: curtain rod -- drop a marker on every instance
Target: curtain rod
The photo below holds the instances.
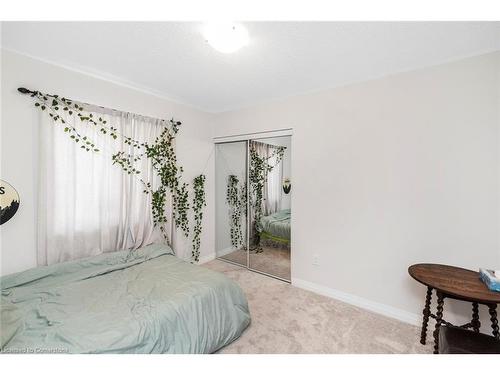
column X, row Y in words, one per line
column 24, row 90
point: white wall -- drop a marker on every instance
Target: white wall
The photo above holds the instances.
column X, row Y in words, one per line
column 391, row 172
column 19, row 144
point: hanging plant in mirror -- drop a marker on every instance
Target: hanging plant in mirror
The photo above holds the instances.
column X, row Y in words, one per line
column 235, row 203
column 260, row 166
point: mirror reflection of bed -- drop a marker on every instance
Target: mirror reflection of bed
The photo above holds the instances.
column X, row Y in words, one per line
column 272, row 254
column 269, row 204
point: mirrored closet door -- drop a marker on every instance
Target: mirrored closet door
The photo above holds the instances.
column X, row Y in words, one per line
column 269, row 208
column 231, row 201
column 253, row 199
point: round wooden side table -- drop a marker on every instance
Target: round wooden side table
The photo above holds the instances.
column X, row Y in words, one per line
column 456, row 283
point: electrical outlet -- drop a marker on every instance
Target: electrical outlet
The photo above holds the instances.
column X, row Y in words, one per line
column 315, row 260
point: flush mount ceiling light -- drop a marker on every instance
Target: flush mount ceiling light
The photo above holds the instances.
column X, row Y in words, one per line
column 225, row 37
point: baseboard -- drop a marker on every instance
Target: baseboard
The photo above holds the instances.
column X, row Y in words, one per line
column 379, row 308
column 227, row 250
column 206, row 258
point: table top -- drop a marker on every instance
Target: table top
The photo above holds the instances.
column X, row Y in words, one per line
column 454, row 281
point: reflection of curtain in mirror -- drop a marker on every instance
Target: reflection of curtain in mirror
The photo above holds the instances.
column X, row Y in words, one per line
column 271, row 194
column 272, row 189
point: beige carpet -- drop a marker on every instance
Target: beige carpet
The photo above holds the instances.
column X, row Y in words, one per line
column 275, row 261
column 286, row 319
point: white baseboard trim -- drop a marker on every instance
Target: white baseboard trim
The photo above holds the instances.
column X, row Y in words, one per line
column 206, row 258
column 379, row 308
column 220, row 253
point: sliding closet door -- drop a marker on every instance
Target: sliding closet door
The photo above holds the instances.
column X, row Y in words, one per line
column 270, row 206
column 231, row 201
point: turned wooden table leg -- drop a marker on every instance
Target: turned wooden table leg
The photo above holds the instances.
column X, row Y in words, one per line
column 494, row 320
column 476, row 324
column 426, row 312
column 439, row 318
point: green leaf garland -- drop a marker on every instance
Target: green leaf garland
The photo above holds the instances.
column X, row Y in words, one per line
column 235, row 203
column 198, row 203
column 259, row 169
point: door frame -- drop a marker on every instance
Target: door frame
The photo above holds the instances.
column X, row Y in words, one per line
column 247, row 137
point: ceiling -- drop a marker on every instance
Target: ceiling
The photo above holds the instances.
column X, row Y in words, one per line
column 173, row 60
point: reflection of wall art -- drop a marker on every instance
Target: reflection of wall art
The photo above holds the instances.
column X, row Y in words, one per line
column 9, row 201
column 287, row 185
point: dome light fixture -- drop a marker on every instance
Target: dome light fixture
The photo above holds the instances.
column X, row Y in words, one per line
column 225, row 37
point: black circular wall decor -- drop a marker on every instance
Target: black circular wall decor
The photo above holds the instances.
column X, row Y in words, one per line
column 9, row 201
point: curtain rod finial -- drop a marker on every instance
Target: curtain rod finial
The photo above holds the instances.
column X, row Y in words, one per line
column 24, row 90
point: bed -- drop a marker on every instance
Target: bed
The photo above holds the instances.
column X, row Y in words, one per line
column 144, row 301
column 275, row 229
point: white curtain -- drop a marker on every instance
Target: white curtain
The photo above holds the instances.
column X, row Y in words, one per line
column 272, row 188
column 87, row 205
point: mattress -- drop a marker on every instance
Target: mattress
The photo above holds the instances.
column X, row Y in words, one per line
column 144, row 301
column 276, row 225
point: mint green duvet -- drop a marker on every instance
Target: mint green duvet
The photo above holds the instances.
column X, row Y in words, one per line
column 277, row 224
column 145, row 301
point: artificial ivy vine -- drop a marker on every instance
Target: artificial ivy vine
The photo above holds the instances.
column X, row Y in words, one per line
column 164, row 161
column 161, row 153
column 259, row 169
column 236, row 194
column 198, row 204
column 233, row 199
